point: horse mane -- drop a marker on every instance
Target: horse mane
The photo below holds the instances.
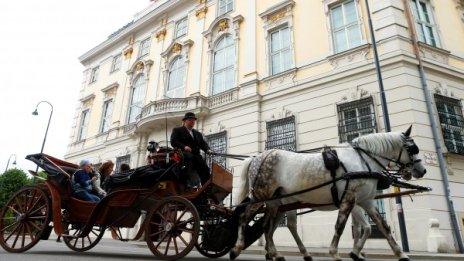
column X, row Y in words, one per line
column 379, row 143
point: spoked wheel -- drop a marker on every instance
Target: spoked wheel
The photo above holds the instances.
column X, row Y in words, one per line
column 81, row 244
column 24, row 219
column 172, row 228
column 215, row 240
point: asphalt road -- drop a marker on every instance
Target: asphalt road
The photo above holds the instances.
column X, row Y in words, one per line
column 108, row 249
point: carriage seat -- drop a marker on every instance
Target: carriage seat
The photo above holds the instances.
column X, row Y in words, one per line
column 146, row 176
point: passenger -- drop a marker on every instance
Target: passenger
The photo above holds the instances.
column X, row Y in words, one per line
column 124, row 167
column 82, row 183
column 103, row 172
column 191, row 141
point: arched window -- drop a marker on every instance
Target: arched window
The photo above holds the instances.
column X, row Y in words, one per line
column 223, row 65
column 176, row 73
column 136, row 99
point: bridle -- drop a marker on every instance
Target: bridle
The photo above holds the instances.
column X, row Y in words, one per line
column 408, row 145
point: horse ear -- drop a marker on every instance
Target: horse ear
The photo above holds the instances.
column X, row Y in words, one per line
column 408, row 131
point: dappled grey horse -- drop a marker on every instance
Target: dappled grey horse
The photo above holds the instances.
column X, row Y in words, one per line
column 276, row 172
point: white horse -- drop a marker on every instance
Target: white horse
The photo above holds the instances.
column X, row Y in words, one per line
column 275, row 172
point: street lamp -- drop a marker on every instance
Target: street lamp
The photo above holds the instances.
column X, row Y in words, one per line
column 8, row 162
column 48, row 125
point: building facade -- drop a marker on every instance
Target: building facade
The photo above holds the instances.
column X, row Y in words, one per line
column 291, row 74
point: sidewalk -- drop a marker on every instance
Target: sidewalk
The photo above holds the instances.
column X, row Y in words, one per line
column 344, row 253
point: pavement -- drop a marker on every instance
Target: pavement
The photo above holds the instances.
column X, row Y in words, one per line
column 368, row 253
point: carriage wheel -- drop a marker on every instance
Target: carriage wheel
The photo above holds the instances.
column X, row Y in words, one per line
column 214, row 240
column 24, row 219
column 81, row 244
column 172, row 228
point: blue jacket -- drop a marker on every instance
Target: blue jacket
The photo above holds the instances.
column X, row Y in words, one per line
column 81, row 181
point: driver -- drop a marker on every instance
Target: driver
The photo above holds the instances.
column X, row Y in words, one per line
column 191, row 141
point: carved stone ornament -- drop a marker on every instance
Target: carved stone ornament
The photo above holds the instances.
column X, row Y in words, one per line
column 161, row 34
column 223, row 25
column 128, row 52
column 276, row 17
column 176, row 48
column 201, row 13
column 140, row 66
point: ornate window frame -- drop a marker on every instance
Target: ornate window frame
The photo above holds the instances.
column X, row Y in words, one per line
column 175, row 50
column 219, row 27
column 275, row 18
column 328, row 5
column 432, row 24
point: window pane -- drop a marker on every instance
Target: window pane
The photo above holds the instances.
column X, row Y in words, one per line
column 275, row 41
column 340, row 41
column 337, row 17
column 350, row 12
column 355, row 119
column 354, row 37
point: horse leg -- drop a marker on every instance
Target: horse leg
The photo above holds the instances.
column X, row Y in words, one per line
column 344, row 211
column 360, row 222
column 243, row 222
column 274, row 218
column 291, row 225
column 383, row 227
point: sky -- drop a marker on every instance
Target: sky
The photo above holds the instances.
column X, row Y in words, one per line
column 40, row 45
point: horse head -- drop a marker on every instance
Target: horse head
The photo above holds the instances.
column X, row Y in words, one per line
column 410, row 152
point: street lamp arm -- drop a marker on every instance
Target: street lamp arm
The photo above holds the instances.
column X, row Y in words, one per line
column 8, row 162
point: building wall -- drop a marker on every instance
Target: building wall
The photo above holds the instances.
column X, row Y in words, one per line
column 319, row 79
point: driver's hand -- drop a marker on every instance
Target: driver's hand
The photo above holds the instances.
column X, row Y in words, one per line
column 187, row 149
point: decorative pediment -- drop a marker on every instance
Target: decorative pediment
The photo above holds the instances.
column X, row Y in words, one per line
column 277, row 12
column 353, row 94
column 87, row 100
column 177, row 48
column 111, row 89
column 223, row 25
column 443, row 90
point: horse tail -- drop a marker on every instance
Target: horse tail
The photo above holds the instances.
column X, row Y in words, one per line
column 244, row 182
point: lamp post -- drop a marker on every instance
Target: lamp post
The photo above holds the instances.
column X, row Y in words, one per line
column 48, row 125
column 8, row 162
column 401, row 219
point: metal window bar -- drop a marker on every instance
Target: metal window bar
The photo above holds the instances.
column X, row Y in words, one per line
column 355, row 119
column 218, row 143
column 281, row 134
column 452, row 123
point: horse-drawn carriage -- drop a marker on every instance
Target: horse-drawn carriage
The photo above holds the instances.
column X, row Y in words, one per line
column 175, row 221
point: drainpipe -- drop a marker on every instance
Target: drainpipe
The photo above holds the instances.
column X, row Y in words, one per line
column 386, row 118
column 436, row 136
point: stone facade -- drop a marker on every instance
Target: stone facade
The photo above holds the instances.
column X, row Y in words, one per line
column 312, row 84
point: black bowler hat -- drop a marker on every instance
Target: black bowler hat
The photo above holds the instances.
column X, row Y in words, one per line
column 189, row 115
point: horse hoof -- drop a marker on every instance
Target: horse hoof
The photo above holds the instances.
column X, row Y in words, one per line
column 355, row 257
column 232, row 255
column 268, row 257
column 280, row 258
column 307, row 258
column 404, row 259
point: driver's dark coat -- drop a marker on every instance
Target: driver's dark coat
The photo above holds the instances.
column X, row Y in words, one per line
column 180, row 137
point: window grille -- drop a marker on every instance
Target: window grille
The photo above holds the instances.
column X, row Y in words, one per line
column 281, row 134
column 218, row 143
column 121, row 160
column 356, row 118
column 452, row 123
